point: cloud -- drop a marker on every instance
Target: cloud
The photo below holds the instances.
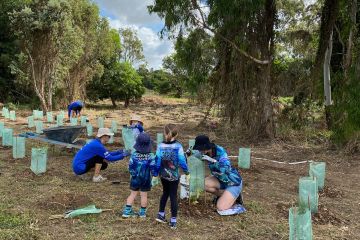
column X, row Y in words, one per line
column 155, row 49
column 134, row 14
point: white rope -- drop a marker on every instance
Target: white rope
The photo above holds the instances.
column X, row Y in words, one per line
column 269, row 160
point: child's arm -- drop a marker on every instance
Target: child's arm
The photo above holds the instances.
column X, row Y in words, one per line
column 153, row 168
column 157, row 163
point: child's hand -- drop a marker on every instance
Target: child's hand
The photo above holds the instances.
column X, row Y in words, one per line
column 187, row 177
column 154, row 181
column 209, row 159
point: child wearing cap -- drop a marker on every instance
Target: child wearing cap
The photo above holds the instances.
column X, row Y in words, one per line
column 142, row 161
column 95, row 155
column 137, row 125
column 169, row 156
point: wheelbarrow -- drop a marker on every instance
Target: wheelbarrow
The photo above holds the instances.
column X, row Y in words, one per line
column 63, row 136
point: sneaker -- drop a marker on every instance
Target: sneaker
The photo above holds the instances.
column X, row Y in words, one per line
column 161, row 219
column 239, row 200
column 99, row 179
column 128, row 212
column 172, row 225
column 142, row 212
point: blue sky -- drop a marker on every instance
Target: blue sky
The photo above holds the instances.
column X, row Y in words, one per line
column 134, row 14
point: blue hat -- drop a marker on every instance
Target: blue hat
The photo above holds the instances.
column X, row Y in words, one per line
column 143, row 143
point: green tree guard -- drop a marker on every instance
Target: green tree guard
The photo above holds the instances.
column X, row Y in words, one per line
column 159, row 138
column 89, row 130
column 114, row 127
column 128, row 138
column 83, row 121
column 197, row 177
column 308, row 193
column 18, row 147
column 39, row 127
column 30, row 121
column 100, row 122
column 73, row 121
column 317, row 169
column 38, row 160
column 49, row 117
column 38, row 114
column 244, row 158
column 111, row 140
column 6, row 113
column 7, row 137
column 300, row 224
column 3, row 111
column 2, row 126
column 59, row 120
column 62, row 113
column 12, row 116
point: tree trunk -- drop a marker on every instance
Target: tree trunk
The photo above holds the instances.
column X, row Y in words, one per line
column 113, row 102
column 127, row 102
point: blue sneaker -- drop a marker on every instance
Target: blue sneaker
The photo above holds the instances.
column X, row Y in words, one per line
column 128, row 212
column 142, row 212
column 172, row 225
column 161, row 219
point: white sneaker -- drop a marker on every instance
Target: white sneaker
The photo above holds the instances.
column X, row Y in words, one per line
column 99, row 179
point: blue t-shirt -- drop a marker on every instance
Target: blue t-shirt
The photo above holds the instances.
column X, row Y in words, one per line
column 222, row 169
column 73, row 105
column 90, row 150
column 169, row 156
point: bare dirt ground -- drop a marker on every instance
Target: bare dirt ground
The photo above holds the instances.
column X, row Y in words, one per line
column 27, row 201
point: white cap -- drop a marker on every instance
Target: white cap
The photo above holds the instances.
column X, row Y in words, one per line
column 135, row 118
column 104, row 131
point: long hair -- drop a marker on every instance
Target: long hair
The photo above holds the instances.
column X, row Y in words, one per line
column 170, row 131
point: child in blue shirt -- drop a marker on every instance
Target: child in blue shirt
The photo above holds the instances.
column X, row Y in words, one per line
column 142, row 161
column 137, row 125
column 169, row 156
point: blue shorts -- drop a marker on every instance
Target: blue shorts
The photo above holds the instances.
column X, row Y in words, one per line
column 140, row 184
column 234, row 190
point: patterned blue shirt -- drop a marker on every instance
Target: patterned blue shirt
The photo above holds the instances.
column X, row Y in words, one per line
column 170, row 155
column 141, row 164
column 222, row 169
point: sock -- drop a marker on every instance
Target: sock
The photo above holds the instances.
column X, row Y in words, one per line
column 162, row 214
column 173, row 219
column 128, row 206
column 143, row 208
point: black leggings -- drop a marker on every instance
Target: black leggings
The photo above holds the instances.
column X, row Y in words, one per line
column 96, row 160
column 169, row 190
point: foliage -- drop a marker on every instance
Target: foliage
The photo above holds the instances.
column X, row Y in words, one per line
column 132, row 50
column 120, row 81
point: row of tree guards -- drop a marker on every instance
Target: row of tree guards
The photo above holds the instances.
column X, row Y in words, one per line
column 299, row 217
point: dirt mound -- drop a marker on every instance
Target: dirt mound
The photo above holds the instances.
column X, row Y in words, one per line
column 331, row 192
column 324, row 216
column 197, row 210
column 65, row 201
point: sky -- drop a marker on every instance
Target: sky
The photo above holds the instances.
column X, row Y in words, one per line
column 134, row 14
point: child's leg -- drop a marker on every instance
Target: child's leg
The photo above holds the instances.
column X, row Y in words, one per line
column 173, row 198
column 143, row 196
column 131, row 198
column 165, row 195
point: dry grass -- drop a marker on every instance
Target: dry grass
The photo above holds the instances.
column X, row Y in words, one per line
column 27, row 201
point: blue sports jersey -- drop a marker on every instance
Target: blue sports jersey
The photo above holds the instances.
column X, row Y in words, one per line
column 222, row 169
column 140, row 166
column 169, row 156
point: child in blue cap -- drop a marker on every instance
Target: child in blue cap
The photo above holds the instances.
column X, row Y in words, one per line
column 141, row 163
